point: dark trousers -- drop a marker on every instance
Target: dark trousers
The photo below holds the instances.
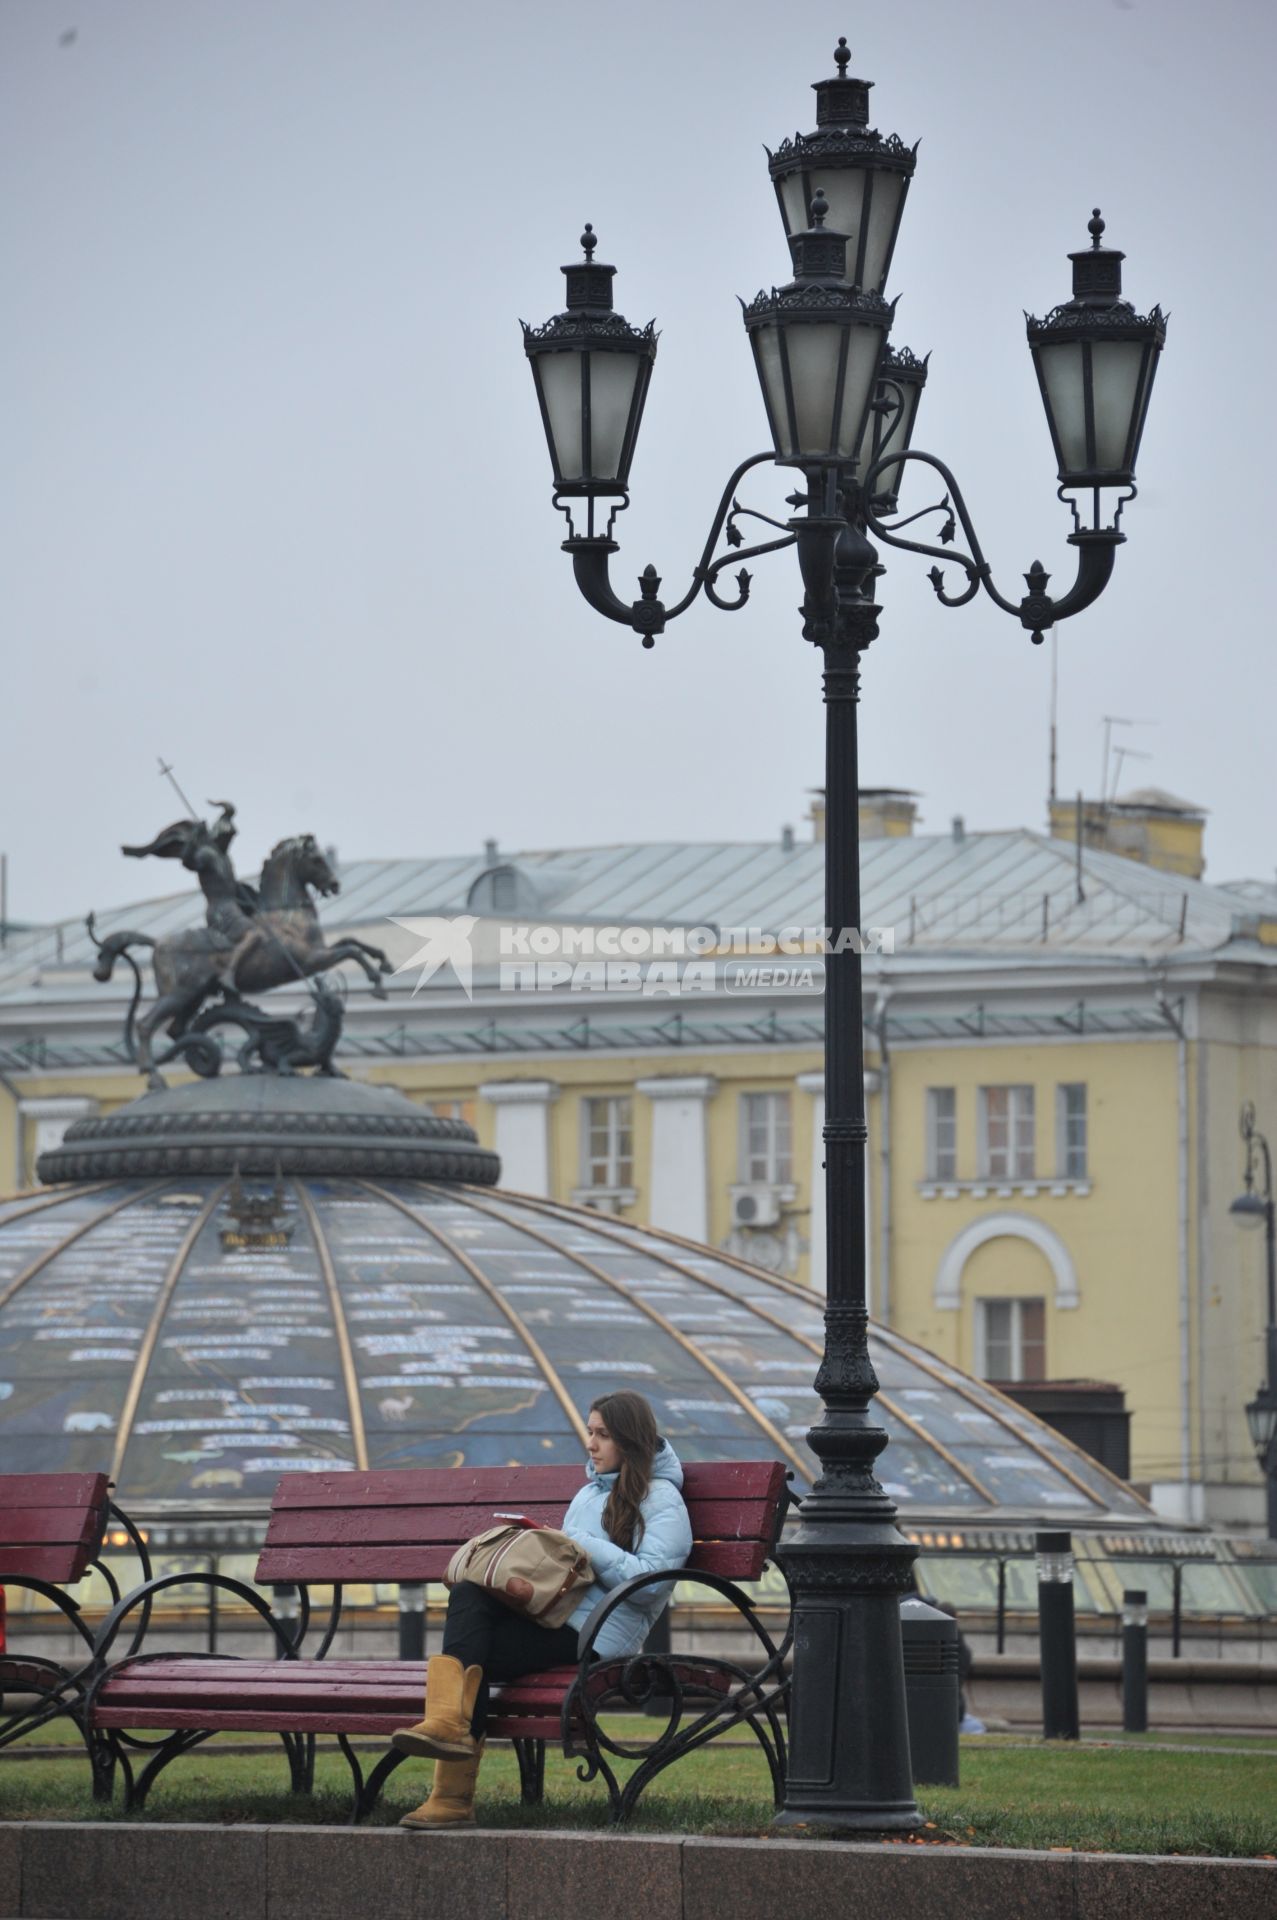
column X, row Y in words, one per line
column 481, row 1631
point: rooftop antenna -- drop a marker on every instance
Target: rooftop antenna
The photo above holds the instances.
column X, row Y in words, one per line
column 1112, row 720
column 1120, row 754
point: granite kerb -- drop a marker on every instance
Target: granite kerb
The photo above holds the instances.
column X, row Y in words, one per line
column 101, row 1870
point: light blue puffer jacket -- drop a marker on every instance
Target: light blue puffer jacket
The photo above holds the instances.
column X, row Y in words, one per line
column 666, row 1542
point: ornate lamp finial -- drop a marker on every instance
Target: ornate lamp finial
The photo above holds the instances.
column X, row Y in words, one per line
column 819, row 208
column 842, row 56
column 1095, row 227
column 589, row 240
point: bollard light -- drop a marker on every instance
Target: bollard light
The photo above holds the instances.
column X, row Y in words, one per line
column 412, row 1620
column 1057, row 1640
column 1135, row 1607
column 1135, row 1660
column 1055, row 1559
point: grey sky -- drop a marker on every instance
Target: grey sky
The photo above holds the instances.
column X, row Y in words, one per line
column 275, row 496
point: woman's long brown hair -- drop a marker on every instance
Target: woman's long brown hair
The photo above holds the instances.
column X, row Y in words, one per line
column 632, row 1425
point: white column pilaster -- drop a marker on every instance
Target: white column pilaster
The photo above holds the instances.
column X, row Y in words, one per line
column 523, row 1132
column 814, row 1084
column 679, row 1198
column 52, row 1114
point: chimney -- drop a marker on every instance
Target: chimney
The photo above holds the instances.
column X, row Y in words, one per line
column 787, row 839
column 887, row 813
column 959, row 829
column 1149, row 825
column 489, row 851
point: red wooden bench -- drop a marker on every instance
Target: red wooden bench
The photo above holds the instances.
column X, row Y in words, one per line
column 404, row 1526
column 52, row 1527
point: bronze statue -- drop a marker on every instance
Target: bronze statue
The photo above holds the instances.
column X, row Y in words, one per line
column 253, row 940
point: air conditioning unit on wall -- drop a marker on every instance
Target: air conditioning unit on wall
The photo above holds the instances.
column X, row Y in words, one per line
column 755, row 1206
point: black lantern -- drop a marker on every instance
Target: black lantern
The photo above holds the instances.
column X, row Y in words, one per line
column 892, row 418
column 818, row 345
column 1261, row 1418
column 591, row 369
column 863, row 177
column 1095, row 360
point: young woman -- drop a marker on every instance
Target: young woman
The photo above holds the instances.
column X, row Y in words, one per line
column 630, row 1518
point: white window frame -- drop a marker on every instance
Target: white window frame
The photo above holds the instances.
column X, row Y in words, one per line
column 938, row 1125
column 772, row 1112
column 1020, row 1149
column 1015, row 1341
column 1072, row 1155
column 611, row 1171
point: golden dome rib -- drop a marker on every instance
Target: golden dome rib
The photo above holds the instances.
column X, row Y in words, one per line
column 146, row 1351
column 700, row 1279
column 77, row 1233
column 346, row 1352
column 552, row 1378
column 702, row 1360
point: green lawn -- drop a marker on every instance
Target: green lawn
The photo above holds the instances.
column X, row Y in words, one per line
column 1116, row 1797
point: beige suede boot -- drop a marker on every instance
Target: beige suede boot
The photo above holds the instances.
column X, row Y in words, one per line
column 451, row 1802
column 444, row 1733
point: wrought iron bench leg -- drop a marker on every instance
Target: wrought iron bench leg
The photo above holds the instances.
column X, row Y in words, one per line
column 135, row 1791
column 366, row 1793
column 531, row 1757
column 300, row 1748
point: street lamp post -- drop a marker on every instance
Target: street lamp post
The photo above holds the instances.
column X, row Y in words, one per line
column 1255, row 1209
column 841, row 405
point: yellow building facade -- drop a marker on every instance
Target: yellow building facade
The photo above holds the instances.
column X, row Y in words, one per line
column 1057, row 1051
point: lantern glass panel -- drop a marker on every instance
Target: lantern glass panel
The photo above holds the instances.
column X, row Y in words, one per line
column 813, row 371
column 1261, row 1418
column 612, row 381
column 771, row 372
column 560, row 375
column 794, row 201
column 1116, row 366
column 864, row 351
column 845, row 189
column 1063, row 380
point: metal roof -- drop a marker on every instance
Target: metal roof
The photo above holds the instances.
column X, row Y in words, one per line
column 1013, row 891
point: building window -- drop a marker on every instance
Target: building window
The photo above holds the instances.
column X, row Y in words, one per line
column 942, row 1133
column 1070, row 1131
column 766, row 1154
column 1012, row 1339
column 1006, row 1133
column 451, row 1110
column 608, row 1142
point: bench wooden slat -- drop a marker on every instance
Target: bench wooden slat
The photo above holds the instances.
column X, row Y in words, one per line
column 49, row 1526
column 431, row 1526
column 61, row 1565
column 508, row 1486
column 426, row 1486
column 53, row 1489
column 734, row 1559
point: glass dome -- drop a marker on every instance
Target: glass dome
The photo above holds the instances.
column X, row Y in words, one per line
column 202, row 1335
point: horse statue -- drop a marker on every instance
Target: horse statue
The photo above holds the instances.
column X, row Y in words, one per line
column 240, row 951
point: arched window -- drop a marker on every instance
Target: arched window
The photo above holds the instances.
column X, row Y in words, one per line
column 503, row 889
